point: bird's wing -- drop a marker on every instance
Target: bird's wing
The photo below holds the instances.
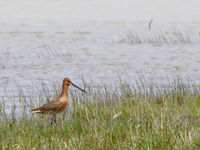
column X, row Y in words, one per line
column 52, row 105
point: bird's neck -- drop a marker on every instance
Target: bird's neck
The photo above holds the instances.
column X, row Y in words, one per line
column 64, row 91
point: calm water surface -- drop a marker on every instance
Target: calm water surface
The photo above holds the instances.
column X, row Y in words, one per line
column 43, row 41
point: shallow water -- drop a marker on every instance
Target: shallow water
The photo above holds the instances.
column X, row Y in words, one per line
column 43, row 41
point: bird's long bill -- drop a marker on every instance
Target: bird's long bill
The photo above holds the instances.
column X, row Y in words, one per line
column 78, row 87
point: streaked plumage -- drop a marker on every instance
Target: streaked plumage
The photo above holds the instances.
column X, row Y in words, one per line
column 59, row 104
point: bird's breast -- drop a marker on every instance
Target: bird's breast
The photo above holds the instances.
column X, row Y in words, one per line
column 63, row 99
column 63, row 104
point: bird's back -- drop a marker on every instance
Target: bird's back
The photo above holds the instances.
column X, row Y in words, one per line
column 52, row 107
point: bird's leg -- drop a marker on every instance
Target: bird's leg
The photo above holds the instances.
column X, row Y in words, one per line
column 53, row 120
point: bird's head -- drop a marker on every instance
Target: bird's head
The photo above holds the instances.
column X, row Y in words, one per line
column 68, row 82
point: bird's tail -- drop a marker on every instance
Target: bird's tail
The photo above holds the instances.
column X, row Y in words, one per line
column 35, row 110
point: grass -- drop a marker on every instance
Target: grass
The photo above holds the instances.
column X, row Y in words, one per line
column 176, row 37
column 124, row 117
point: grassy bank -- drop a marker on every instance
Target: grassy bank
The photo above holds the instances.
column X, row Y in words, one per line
column 124, row 117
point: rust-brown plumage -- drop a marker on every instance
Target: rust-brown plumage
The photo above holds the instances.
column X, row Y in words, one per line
column 59, row 104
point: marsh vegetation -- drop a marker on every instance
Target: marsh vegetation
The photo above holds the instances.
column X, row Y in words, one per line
column 124, row 116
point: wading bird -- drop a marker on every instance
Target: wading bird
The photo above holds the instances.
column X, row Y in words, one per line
column 57, row 105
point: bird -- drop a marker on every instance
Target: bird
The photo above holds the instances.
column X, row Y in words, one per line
column 58, row 104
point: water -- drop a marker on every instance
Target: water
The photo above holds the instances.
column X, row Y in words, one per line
column 46, row 40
